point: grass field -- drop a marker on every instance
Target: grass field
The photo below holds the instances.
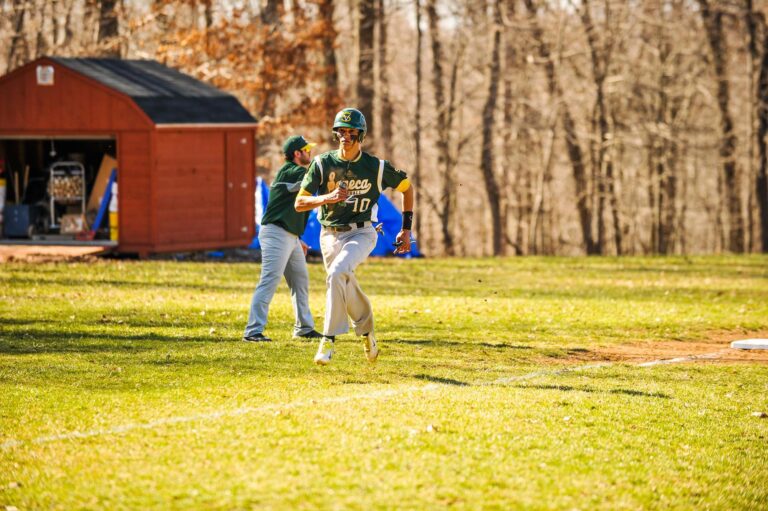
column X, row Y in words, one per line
column 502, row 384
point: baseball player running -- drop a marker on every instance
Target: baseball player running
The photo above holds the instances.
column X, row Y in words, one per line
column 348, row 183
column 282, row 252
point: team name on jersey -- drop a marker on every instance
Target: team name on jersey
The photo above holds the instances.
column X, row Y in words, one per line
column 358, row 186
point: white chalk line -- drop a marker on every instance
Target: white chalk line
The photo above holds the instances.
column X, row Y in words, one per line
column 276, row 407
column 678, row 360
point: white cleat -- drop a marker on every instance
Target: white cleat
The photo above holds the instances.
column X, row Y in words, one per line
column 324, row 352
column 371, row 348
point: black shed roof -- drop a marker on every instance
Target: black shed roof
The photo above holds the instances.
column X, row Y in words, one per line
column 167, row 96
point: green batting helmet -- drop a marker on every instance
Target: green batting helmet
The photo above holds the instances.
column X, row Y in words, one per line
column 351, row 118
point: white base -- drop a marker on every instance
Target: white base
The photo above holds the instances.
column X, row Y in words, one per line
column 750, row 344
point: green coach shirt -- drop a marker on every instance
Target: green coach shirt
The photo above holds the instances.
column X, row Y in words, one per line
column 366, row 176
column 282, row 194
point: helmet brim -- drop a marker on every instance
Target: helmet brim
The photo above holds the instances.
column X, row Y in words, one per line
column 346, row 125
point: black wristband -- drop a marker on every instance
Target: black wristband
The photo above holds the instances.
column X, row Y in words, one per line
column 407, row 220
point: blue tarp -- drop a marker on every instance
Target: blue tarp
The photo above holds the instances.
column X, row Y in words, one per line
column 261, row 198
column 388, row 215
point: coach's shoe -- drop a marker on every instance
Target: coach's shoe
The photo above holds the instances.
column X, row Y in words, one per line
column 256, row 338
column 314, row 334
column 371, row 348
column 324, row 351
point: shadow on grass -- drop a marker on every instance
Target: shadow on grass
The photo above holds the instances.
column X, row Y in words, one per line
column 38, row 349
column 444, row 381
column 35, row 341
column 212, row 287
column 23, row 322
column 432, row 342
column 569, row 388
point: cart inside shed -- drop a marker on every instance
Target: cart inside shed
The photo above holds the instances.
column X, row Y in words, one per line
column 55, row 187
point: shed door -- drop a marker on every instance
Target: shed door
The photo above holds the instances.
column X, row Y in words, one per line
column 240, row 185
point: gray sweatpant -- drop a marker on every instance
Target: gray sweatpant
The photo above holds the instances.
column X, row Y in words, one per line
column 342, row 253
column 281, row 255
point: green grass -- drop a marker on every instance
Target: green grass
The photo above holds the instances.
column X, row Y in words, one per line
column 124, row 385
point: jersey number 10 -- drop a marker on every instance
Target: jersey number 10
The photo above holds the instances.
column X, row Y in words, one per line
column 359, row 205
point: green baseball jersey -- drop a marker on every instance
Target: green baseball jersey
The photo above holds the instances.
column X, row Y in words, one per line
column 282, row 194
column 365, row 177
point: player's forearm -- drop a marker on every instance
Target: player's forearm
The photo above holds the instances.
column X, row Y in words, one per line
column 306, row 203
column 408, row 199
column 309, row 202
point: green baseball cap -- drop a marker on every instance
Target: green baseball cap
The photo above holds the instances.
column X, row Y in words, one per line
column 296, row 143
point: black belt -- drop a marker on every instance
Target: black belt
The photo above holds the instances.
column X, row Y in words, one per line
column 345, row 228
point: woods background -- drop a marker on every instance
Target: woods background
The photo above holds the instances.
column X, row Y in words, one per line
column 528, row 126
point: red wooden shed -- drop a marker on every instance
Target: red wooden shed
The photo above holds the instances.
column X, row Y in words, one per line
column 185, row 151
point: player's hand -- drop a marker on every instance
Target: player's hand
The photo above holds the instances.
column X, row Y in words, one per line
column 338, row 195
column 403, row 242
column 304, row 248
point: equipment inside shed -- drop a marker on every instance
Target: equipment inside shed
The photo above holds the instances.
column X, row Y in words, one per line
column 55, row 188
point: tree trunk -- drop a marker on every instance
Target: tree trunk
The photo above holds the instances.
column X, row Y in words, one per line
column 575, row 154
column 487, row 159
column 543, row 181
column 270, row 13
column 509, row 67
column 761, row 183
column 69, row 32
column 417, row 124
column 208, row 11
column 664, row 172
column 41, row 43
column 331, row 74
column 55, row 23
column 18, row 52
column 602, row 165
column 109, row 44
column 443, row 130
column 385, row 119
column 365, row 79
column 606, row 180
column 713, row 23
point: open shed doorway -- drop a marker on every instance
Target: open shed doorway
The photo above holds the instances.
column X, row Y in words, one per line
column 54, row 189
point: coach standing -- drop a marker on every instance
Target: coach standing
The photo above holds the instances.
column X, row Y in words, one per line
column 282, row 252
column 348, row 183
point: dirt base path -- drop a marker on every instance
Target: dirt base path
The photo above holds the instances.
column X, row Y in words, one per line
column 45, row 253
column 660, row 350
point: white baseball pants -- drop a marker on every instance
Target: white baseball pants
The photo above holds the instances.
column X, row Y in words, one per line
column 342, row 253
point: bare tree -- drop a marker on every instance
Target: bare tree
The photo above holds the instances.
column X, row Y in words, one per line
column 18, row 49
column 108, row 29
column 271, row 12
column 657, row 104
column 417, row 119
column 487, row 157
column 757, row 29
column 507, row 125
column 713, row 24
column 762, row 134
column 575, row 153
column 331, row 72
column 446, row 205
column 208, row 20
column 69, row 32
column 42, row 41
column 385, row 118
column 365, row 60
column 602, row 164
